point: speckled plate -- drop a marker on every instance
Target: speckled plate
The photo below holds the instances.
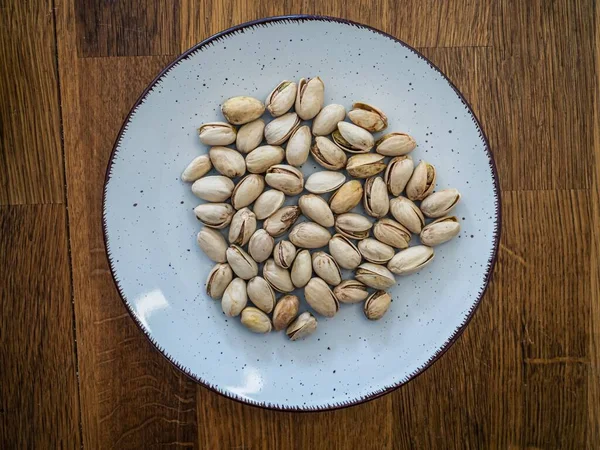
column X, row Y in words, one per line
column 150, row 228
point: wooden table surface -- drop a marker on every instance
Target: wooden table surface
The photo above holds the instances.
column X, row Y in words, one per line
column 76, row 371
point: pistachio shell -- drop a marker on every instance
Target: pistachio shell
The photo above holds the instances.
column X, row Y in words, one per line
column 346, row 197
column 282, row 98
column 240, row 110
column 407, row 214
column 375, row 276
column 395, row 144
column 214, row 215
column 243, row 226
column 285, row 311
column 351, row 291
column 247, row 190
column 227, row 161
column 353, row 226
column 391, row 233
column 217, row 133
column 377, row 305
column 315, row 208
column 440, row 203
column 326, row 121
column 326, row 268
column 261, row 245
column 324, row 181
column 286, row 179
column 284, row 254
column 277, row 277
column 411, row 260
column 298, row 147
column 216, row 188
column 255, row 320
column 213, row 244
column 303, row 326
column 397, row 174
column 321, row 298
column 345, row 253
column 199, row 167
column 261, row 158
column 281, row 220
column 376, row 200
column 267, row 203
column 234, row 298
column 365, row 165
column 440, row 231
column 422, row 181
column 250, row 136
column 309, row 97
column 374, row 251
column 368, row 117
column 241, row 262
column 280, row 129
column 261, row 294
column 301, row 269
column 218, row 279
column 309, row 235
column 352, row 138
column 327, row 154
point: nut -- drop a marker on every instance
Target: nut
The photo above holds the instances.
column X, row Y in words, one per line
column 247, row 190
column 309, row 235
column 303, row 326
column 398, row 172
column 261, row 158
column 353, row 226
column 217, row 133
column 324, row 181
column 377, row 305
column 241, row 262
column 243, row 226
column 422, row 182
column 440, row 203
column 368, row 117
column 213, row 244
column 282, row 98
column 240, row 110
column 280, row 129
column 375, row 276
column 277, row 277
column 376, row 200
column 407, row 213
column 395, row 144
column 320, row 297
column 218, row 279
column 281, row 220
column 440, row 231
column 351, row 291
column 284, row 254
column 267, row 203
column 298, row 146
column 234, row 298
column 391, row 233
column 346, row 197
column 326, row 268
column 374, row 251
column 352, row 138
column 286, row 179
column 250, row 136
column 214, row 215
column 309, row 97
column 256, row 320
column 327, row 154
column 261, row 245
column 261, row 294
column 285, row 311
column 366, row 165
column 199, row 167
column 301, row 269
column 345, row 253
column 326, row 121
column 227, row 161
column 411, row 260
column 315, row 208
column 213, row 189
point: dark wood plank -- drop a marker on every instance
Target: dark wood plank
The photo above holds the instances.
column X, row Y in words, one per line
column 39, row 405
column 31, row 166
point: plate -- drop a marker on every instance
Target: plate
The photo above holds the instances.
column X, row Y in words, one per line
column 150, row 228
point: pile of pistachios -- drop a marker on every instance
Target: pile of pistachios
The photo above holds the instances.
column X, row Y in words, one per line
column 255, row 263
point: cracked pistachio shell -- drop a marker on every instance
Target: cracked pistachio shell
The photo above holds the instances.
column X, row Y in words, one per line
column 353, row 226
column 391, row 233
column 346, row 197
column 247, row 190
column 263, row 157
column 267, row 203
column 217, row 133
column 227, row 161
column 213, row 244
column 327, row 154
column 374, row 251
column 309, row 235
column 298, row 146
column 302, row 269
column 261, row 245
column 365, row 165
column 422, row 181
column 395, row 144
column 368, row 117
column 376, row 200
column 241, row 262
column 284, row 254
column 255, row 320
column 375, row 276
column 316, row 209
column 241, row 110
column 309, row 97
column 196, row 169
column 324, row 181
column 326, row 268
column 285, row 311
column 278, row 277
column 282, row 98
column 303, row 326
column 250, row 136
column 234, row 298
column 216, row 188
column 352, row 138
column 440, row 231
column 280, row 129
column 377, row 305
column 281, row 220
column 326, row 121
column 261, row 294
column 351, row 291
column 243, row 226
column 320, row 297
column 214, row 215
column 411, row 260
column 397, row 173
column 218, row 279
column 407, row 214
column 286, row 179
column 345, row 253
column 440, row 203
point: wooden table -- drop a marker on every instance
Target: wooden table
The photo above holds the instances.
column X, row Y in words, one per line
column 74, row 368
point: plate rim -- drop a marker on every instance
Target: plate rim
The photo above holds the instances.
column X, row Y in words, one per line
column 451, row 339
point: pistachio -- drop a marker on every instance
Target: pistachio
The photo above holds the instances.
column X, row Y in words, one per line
column 397, row 174
column 327, row 154
column 277, row 277
column 261, row 245
column 374, row 251
column 227, row 161
column 298, row 147
column 217, row 133
column 255, row 320
column 326, row 268
column 199, row 167
column 411, row 260
column 267, row 203
column 301, row 269
column 286, row 179
column 241, row 110
column 247, row 190
column 303, row 326
column 279, row 130
column 263, row 157
column 243, row 226
column 315, row 208
column 309, row 235
column 391, row 233
column 395, row 144
column 281, row 220
column 234, row 298
column 351, row 291
column 218, row 279
column 365, row 166
column 282, row 98
column 284, row 254
column 214, row 215
column 250, row 136
column 377, row 305
column 353, row 226
column 376, row 200
column 261, row 294
column 213, row 189
column 368, row 117
column 422, row 182
column 346, row 197
column 353, row 139
column 440, row 231
column 440, row 203
column 285, row 311
column 326, row 121
column 345, row 253
column 241, row 262
column 213, row 244
column 407, row 213
column 324, row 181
column 321, row 298
column 375, row 276
column 309, row 97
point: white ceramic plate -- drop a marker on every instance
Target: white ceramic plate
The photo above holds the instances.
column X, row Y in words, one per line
column 150, row 228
